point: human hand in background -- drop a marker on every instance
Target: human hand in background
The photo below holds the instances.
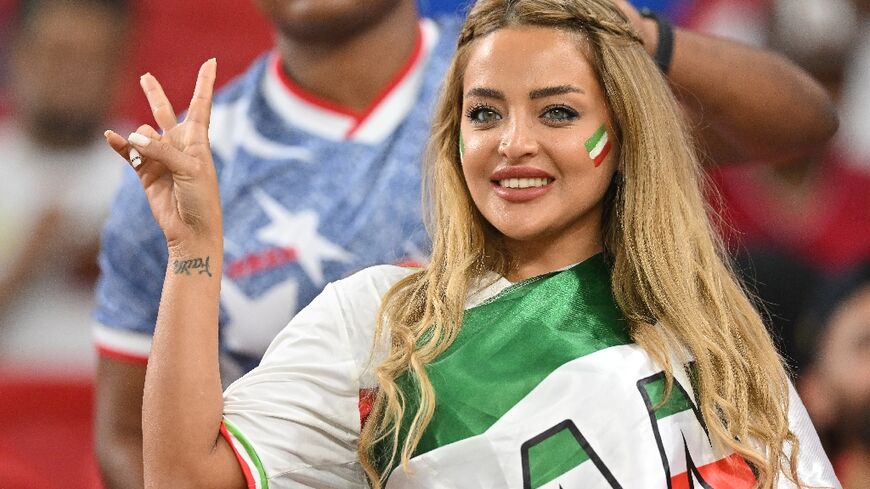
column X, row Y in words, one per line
column 176, row 168
column 646, row 28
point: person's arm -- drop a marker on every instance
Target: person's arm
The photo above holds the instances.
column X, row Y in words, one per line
column 182, row 406
column 118, row 422
column 132, row 264
column 747, row 103
column 743, row 103
column 23, row 266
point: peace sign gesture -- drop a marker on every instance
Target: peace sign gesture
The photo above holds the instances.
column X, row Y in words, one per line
column 175, row 167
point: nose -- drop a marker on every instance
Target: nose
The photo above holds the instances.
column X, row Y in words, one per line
column 518, row 141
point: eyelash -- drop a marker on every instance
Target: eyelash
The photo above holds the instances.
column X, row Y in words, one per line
column 475, row 110
column 570, row 114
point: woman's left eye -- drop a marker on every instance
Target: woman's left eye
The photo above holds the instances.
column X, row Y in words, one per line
column 559, row 114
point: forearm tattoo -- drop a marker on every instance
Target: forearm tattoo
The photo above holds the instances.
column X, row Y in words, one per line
column 184, row 267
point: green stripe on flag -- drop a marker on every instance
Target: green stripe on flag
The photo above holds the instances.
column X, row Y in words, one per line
column 554, row 456
column 514, row 341
column 593, row 141
column 249, row 449
column 676, row 403
column 461, row 148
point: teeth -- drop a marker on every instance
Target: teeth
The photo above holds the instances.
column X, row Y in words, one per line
column 524, row 182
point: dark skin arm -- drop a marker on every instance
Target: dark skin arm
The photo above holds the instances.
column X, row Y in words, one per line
column 743, row 103
column 784, row 114
column 118, row 422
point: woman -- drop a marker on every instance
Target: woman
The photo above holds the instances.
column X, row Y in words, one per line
column 575, row 328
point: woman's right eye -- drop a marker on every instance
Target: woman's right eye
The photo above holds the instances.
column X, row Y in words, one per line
column 483, row 115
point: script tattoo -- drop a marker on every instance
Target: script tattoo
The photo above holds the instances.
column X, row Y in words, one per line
column 195, row 264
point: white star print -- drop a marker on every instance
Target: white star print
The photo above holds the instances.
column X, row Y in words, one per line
column 253, row 323
column 299, row 231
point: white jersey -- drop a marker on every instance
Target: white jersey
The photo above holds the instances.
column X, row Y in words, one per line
column 534, row 407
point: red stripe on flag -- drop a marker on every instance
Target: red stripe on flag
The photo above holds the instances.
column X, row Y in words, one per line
column 604, row 152
column 728, row 473
column 366, row 401
column 249, row 477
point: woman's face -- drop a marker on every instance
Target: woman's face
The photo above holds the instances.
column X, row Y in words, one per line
column 538, row 145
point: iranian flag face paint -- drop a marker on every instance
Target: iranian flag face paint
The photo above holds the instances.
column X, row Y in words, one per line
column 599, row 145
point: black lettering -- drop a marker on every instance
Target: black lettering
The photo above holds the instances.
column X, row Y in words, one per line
column 184, row 266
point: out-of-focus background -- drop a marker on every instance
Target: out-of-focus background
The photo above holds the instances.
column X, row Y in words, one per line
column 67, row 72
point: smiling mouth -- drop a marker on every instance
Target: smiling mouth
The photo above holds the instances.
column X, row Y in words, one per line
column 523, row 182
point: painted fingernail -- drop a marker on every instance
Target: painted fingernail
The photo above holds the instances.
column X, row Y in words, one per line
column 106, row 134
column 135, row 157
column 139, row 139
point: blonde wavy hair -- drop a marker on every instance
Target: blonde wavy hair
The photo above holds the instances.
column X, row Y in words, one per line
column 670, row 277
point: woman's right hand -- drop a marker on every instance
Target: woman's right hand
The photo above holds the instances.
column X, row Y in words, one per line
column 176, row 168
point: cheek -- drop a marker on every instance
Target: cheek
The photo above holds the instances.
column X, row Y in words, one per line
column 598, row 145
column 478, row 148
column 579, row 153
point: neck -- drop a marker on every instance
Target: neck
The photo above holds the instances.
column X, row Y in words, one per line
column 353, row 71
column 856, row 471
column 550, row 253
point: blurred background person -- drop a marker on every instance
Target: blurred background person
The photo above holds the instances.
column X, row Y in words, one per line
column 856, row 94
column 794, row 222
column 59, row 179
column 834, row 354
column 61, row 69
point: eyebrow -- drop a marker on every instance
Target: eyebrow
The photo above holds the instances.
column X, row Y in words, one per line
column 485, row 93
column 534, row 94
column 550, row 91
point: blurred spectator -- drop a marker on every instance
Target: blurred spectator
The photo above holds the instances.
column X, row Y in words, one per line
column 59, row 175
column 805, row 217
column 816, row 28
column 234, row 31
column 834, row 341
column 855, row 133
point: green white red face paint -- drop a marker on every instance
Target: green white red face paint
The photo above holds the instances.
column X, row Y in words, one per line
column 599, row 145
column 461, row 149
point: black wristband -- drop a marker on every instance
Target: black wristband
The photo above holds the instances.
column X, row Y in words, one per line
column 665, row 48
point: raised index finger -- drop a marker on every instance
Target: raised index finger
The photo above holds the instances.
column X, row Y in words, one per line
column 160, row 106
column 200, row 105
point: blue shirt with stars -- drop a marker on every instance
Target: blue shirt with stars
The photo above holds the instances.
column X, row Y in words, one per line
column 311, row 192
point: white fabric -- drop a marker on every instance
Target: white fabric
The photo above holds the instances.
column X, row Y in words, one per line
column 299, row 409
column 816, row 469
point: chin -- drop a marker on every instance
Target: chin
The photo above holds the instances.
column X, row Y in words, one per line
column 326, row 18
column 523, row 233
